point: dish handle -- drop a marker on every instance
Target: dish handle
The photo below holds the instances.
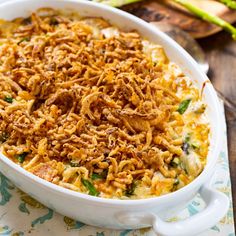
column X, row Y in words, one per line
column 217, row 205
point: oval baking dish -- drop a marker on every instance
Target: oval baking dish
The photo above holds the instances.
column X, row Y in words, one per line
column 129, row 214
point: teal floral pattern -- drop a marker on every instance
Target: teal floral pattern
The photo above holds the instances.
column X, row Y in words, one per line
column 72, row 224
column 22, row 207
column 125, row 232
column 22, row 215
column 5, row 187
column 5, row 230
column 42, row 219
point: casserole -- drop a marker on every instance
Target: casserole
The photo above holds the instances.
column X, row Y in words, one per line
column 89, row 118
column 127, row 213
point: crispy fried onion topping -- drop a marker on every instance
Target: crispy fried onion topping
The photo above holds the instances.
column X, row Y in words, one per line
column 88, row 106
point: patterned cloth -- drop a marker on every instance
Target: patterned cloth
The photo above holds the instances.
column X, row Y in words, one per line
column 21, row 215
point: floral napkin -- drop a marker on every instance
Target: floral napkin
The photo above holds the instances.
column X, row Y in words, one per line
column 21, row 215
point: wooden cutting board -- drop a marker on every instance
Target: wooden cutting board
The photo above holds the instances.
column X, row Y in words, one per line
column 169, row 12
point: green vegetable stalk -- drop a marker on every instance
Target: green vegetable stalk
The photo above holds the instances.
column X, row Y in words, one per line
column 116, row 3
column 92, row 190
column 130, row 191
column 183, row 106
column 208, row 17
column 21, row 157
column 96, row 176
column 3, row 137
column 8, row 99
column 229, row 3
column 27, row 39
column 175, row 162
column 190, row 7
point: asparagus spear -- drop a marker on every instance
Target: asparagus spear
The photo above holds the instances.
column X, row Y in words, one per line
column 208, row 17
column 193, row 9
column 229, row 3
column 116, row 3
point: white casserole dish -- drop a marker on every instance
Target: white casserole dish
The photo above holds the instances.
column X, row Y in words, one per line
column 129, row 214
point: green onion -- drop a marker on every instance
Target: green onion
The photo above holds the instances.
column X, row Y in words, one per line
column 96, row 176
column 101, row 175
column 54, row 21
column 92, row 190
column 175, row 162
column 21, row 157
column 3, row 137
column 74, row 164
column 176, row 181
column 8, row 99
column 187, row 138
column 26, row 39
column 130, row 191
column 183, row 106
column 195, row 145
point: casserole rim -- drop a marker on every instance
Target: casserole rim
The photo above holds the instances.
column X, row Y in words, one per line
column 211, row 159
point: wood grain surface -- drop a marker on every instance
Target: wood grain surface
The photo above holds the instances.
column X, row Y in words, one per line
column 166, row 11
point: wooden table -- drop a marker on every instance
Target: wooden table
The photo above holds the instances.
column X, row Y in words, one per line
column 221, row 54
